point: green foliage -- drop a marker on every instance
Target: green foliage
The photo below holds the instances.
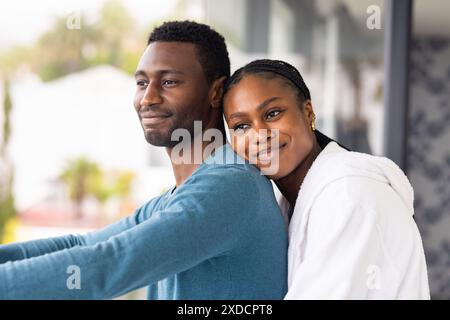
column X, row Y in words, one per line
column 129, row 60
column 7, row 108
column 84, row 178
column 79, row 175
column 7, row 208
column 13, row 58
column 7, row 211
column 112, row 39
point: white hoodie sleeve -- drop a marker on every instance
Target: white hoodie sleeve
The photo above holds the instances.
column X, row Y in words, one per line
column 343, row 256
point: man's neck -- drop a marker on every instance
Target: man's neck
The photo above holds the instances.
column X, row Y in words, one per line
column 185, row 169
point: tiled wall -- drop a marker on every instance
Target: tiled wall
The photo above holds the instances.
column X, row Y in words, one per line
column 428, row 156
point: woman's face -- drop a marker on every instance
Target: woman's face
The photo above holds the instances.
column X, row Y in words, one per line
column 268, row 127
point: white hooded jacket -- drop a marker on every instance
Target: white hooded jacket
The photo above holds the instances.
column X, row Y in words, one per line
column 352, row 233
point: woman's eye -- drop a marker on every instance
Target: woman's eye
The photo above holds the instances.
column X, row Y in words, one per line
column 240, row 128
column 272, row 114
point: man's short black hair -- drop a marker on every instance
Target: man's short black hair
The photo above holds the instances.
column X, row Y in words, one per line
column 211, row 48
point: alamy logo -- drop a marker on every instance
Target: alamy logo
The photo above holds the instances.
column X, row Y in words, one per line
column 73, row 21
column 258, row 147
column 373, row 21
column 373, row 281
column 74, row 280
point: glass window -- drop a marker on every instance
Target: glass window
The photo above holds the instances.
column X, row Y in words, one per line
column 336, row 45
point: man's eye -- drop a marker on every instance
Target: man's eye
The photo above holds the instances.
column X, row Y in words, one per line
column 272, row 114
column 141, row 83
column 169, row 82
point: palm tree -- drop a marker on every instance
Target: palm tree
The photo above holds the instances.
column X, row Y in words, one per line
column 111, row 184
column 79, row 176
column 85, row 178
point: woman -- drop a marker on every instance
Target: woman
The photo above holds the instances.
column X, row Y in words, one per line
column 351, row 231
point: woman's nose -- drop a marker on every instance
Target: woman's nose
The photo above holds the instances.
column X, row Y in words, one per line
column 263, row 134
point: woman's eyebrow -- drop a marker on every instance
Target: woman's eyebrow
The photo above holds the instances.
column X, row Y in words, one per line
column 237, row 115
column 259, row 107
column 266, row 102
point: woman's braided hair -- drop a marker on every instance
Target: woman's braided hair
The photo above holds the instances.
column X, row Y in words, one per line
column 269, row 68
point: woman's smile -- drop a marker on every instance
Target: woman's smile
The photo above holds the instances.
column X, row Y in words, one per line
column 269, row 105
column 270, row 152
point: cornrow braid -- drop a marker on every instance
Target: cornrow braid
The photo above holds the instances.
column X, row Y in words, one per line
column 278, row 67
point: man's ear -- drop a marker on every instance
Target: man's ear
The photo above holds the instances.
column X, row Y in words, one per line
column 216, row 92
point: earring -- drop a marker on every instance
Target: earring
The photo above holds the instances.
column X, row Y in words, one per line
column 313, row 123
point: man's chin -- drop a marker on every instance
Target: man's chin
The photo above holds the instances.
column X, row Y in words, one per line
column 157, row 139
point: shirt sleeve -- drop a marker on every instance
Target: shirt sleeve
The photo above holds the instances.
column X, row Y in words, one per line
column 35, row 248
column 203, row 219
column 343, row 245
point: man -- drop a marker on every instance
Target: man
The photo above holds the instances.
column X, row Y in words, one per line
column 217, row 235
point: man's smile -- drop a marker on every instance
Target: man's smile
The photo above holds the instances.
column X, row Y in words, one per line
column 151, row 118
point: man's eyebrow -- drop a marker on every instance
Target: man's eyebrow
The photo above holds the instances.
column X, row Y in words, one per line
column 258, row 108
column 139, row 73
column 161, row 72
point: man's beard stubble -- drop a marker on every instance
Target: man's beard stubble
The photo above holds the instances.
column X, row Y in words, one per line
column 163, row 137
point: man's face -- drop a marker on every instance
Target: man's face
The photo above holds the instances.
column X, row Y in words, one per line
column 171, row 91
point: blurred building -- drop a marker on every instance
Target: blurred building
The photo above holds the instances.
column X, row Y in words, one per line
column 88, row 114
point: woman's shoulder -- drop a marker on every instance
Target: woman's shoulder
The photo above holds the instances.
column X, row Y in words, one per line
column 335, row 164
column 356, row 178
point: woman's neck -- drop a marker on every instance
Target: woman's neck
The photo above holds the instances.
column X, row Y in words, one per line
column 290, row 185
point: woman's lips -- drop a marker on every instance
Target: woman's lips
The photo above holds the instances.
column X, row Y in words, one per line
column 269, row 152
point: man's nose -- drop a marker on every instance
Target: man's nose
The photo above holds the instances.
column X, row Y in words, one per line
column 151, row 96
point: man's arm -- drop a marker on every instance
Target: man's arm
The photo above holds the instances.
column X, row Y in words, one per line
column 35, row 248
column 202, row 220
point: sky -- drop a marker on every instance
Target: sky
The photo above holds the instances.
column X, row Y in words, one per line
column 22, row 21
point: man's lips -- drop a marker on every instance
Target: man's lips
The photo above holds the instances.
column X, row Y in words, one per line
column 152, row 118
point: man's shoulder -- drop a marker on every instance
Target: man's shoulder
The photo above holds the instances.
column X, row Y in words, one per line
column 229, row 169
column 223, row 175
column 148, row 207
column 225, row 161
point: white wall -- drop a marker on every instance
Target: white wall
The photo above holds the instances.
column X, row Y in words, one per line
column 89, row 113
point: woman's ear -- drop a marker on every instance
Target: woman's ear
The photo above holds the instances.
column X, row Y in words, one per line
column 216, row 92
column 308, row 111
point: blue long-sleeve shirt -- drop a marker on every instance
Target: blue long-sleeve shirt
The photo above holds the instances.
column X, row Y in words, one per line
column 220, row 235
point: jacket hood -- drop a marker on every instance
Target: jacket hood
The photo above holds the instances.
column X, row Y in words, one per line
column 334, row 163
